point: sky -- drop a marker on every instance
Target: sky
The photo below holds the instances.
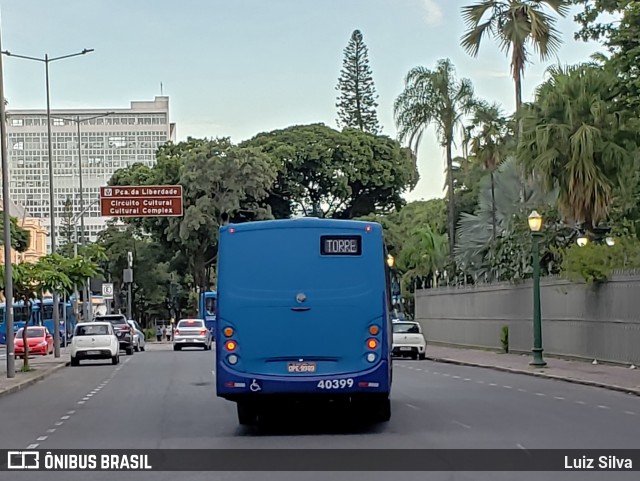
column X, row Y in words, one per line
column 240, row 67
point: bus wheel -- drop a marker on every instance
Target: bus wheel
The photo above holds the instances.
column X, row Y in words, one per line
column 381, row 409
column 247, row 415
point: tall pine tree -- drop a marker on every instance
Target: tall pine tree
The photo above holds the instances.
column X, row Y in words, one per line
column 357, row 100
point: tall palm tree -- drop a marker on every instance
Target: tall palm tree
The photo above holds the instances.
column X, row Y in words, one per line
column 489, row 145
column 435, row 97
column 575, row 138
column 516, row 25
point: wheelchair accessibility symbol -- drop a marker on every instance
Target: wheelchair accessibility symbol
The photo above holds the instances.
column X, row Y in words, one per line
column 255, row 387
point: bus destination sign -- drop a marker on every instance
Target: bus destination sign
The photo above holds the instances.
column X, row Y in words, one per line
column 141, row 201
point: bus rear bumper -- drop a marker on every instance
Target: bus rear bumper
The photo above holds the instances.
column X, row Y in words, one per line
column 233, row 385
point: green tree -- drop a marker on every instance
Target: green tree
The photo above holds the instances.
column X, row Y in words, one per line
column 576, row 137
column 327, row 173
column 357, row 100
column 507, row 256
column 515, row 25
column 490, row 144
column 435, row 97
column 219, row 179
column 20, row 238
column 67, row 230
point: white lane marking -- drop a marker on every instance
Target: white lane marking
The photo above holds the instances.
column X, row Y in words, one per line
column 559, row 398
column 418, row 369
column 51, row 430
column 436, row 372
column 60, row 423
column 466, row 426
column 507, row 387
column 581, row 402
column 32, row 446
column 71, row 412
column 81, row 402
column 467, row 379
column 603, row 407
column 444, row 374
column 492, row 384
column 521, row 446
column 63, row 417
column 86, row 398
column 412, row 406
column 521, row 390
column 42, row 438
column 630, row 413
column 540, row 394
column 456, row 377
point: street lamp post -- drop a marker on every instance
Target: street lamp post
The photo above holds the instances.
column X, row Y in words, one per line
column 6, row 216
column 74, row 221
column 78, row 121
column 46, row 60
column 535, row 225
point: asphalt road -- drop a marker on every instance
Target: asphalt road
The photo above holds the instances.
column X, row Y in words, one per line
column 166, row 399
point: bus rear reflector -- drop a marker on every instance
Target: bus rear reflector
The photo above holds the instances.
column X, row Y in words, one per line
column 228, row 332
column 234, row 384
column 368, row 228
column 372, row 343
column 368, row 384
column 373, row 330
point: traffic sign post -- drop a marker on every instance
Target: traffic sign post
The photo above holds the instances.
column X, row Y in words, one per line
column 141, row 201
column 107, row 290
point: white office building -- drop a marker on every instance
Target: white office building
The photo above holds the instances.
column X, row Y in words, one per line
column 110, row 139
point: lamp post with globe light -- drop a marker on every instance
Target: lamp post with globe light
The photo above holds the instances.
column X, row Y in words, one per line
column 535, row 226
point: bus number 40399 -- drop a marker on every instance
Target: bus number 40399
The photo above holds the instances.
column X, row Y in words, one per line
column 335, row 383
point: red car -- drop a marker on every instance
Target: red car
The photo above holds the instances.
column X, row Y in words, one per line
column 39, row 339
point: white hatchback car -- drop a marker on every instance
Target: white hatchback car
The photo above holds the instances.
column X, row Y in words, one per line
column 94, row 340
column 408, row 340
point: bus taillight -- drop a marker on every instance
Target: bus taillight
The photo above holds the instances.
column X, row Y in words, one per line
column 228, row 332
column 230, row 345
column 374, row 330
column 372, row 343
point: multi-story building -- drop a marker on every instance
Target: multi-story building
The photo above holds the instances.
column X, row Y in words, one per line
column 110, row 139
column 37, row 247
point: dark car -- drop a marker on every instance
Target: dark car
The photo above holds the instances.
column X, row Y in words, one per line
column 122, row 329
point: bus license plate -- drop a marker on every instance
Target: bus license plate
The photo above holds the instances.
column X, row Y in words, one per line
column 302, row 367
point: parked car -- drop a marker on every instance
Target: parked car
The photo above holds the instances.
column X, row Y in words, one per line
column 191, row 333
column 39, row 340
column 139, row 341
column 94, row 340
column 408, row 340
column 122, row 329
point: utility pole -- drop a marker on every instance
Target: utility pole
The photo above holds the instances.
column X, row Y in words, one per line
column 6, row 206
column 128, row 278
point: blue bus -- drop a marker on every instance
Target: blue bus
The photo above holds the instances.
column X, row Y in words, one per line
column 207, row 310
column 41, row 315
column 304, row 313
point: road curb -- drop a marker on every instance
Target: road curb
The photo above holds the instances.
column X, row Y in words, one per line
column 29, row 382
column 611, row 387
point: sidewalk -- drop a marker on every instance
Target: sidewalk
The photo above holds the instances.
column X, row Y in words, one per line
column 616, row 378
column 41, row 367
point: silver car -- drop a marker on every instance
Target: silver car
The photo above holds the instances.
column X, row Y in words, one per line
column 139, row 341
column 191, row 333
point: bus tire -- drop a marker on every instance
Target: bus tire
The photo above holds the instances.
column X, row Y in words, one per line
column 382, row 410
column 247, row 415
